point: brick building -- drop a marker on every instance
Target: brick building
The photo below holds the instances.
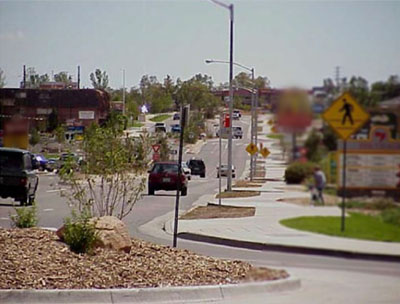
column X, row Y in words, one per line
column 73, row 107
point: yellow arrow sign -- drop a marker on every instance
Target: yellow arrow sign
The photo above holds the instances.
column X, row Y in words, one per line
column 345, row 116
column 251, row 149
column 265, row 152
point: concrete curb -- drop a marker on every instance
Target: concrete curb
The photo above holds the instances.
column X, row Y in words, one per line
column 288, row 248
column 147, row 295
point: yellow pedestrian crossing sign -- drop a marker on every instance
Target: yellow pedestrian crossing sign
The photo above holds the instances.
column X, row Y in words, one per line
column 345, row 116
column 251, row 149
column 265, row 152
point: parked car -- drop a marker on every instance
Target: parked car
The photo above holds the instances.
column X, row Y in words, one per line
column 236, row 114
column 164, row 176
column 197, row 167
column 160, row 127
column 18, row 179
column 73, row 159
column 43, row 163
column 177, row 116
column 237, row 132
column 224, row 171
column 175, row 128
column 187, row 171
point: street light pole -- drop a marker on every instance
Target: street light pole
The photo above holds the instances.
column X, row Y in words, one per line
column 230, row 7
column 123, row 92
column 253, row 124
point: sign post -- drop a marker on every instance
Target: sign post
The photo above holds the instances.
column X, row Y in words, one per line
column 184, row 116
column 345, row 116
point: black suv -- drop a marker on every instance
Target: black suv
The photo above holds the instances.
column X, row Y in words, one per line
column 197, row 167
column 17, row 176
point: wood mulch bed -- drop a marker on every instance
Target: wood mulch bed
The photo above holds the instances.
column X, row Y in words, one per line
column 35, row 259
column 216, row 211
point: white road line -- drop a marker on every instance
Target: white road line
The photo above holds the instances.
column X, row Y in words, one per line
column 4, row 218
column 48, row 210
column 55, row 190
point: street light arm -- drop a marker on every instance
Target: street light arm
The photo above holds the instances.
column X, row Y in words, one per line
column 234, row 63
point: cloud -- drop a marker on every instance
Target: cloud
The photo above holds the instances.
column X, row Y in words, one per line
column 12, row 36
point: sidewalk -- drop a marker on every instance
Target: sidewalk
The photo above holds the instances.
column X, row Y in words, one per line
column 263, row 229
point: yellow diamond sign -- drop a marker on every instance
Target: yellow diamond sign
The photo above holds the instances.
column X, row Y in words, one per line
column 252, row 149
column 345, row 116
column 265, row 152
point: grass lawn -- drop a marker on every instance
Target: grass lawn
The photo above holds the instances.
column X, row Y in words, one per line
column 357, row 226
column 136, row 124
column 236, row 194
column 274, row 136
column 160, row 118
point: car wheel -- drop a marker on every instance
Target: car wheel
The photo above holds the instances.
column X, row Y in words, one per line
column 23, row 201
column 203, row 175
column 151, row 191
column 31, row 199
column 233, row 176
column 184, row 191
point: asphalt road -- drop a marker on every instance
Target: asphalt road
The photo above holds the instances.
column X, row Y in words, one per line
column 52, row 209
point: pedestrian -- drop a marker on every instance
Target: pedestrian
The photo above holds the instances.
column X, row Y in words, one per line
column 320, row 181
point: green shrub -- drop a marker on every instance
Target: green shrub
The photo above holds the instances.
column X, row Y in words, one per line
column 296, row 172
column 25, row 218
column 391, row 216
column 80, row 233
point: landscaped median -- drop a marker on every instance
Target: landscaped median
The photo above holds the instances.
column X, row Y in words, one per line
column 36, row 259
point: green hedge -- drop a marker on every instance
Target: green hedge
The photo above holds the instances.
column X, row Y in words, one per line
column 297, row 172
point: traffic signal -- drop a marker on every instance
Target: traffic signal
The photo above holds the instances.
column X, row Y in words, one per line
column 226, row 121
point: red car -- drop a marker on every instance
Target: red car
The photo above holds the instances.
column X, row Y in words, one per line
column 164, row 176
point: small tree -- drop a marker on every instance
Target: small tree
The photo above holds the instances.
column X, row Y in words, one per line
column 35, row 137
column 52, row 122
column 112, row 182
column 60, row 134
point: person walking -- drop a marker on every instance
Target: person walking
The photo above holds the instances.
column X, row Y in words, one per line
column 320, row 182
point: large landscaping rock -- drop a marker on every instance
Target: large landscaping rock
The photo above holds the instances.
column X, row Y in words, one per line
column 112, row 233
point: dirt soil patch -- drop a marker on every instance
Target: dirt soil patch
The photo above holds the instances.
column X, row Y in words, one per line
column 246, row 183
column 330, row 200
column 238, row 194
column 35, row 259
column 215, row 211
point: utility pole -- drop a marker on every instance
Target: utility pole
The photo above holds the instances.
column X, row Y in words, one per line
column 123, row 92
column 337, row 78
column 229, row 184
column 79, row 76
column 24, row 77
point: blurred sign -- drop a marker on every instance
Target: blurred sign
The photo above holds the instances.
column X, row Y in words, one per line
column 251, row 149
column 294, row 112
column 16, row 133
column 345, row 116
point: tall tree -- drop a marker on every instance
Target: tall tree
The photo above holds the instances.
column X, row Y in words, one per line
column 33, row 79
column 99, row 79
column 63, row 77
column 358, row 87
column 2, row 79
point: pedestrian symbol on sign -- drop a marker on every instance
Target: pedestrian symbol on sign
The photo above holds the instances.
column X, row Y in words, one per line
column 347, row 108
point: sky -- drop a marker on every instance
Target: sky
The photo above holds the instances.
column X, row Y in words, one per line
column 289, row 42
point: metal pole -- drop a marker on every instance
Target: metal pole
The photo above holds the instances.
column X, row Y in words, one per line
column 255, row 133
column 252, row 125
column 220, row 158
column 123, row 91
column 344, row 185
column 79, row 76
column 229, row 184
column 183, row 122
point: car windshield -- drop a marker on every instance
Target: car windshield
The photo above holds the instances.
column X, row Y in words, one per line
column 197, row 163
column 10, row 161
column 165, row 168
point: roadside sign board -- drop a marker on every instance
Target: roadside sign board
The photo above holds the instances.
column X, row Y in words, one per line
column 251, row 149
column 345, row 116
column 265, row 152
